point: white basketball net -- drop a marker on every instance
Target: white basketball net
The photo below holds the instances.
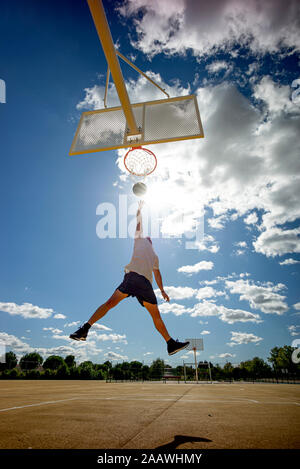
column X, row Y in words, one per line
column 140, row 161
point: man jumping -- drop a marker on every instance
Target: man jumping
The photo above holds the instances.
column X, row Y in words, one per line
column 138, row 282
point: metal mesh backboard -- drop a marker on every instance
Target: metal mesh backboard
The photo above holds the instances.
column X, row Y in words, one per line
column 166, row 120
column 195, row 344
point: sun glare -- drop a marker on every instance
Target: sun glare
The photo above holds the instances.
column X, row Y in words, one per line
column 162, row 195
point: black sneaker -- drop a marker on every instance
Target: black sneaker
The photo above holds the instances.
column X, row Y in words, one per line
column 174, row 346
column 81, row 333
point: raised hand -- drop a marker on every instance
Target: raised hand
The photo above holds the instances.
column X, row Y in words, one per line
column 165, row 296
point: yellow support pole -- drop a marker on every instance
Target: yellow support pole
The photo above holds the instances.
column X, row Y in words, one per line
column 106, row 86
column 140, row 71
column 101, row 24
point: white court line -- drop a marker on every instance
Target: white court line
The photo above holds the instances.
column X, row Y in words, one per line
column 220, row 401
column 38, row 404
column 82, row 398
column 181, row 400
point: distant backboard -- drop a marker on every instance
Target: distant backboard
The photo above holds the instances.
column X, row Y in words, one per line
column 195, row 344
column 165, row 120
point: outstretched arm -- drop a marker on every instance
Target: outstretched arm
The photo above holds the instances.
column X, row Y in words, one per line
column 139, row 222
column 158, row 279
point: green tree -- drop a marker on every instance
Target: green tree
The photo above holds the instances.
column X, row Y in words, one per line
column 217, row 372
column 49, row 374
column 255, row 368
column 179, row 371
column 63, row 371
column 86, row 370
column 157, row 369
column 190, row 373
column 33, row 374
column 70, row 361
column 108, row 364
column 14, row 373
column 145, row 372
column 116, row 372
column 136, row 370
column 10, row 361
column 53, row 362
column 99, row 374
column 30, row 361
column 281, row 359
column 228, row 370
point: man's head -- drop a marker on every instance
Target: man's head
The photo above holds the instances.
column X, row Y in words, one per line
column 149, row 239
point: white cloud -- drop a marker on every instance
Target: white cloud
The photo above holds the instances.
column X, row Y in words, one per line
column 276, row 97
column 72, row 324
column 177, row 293
column 241, row 244
column 174, row 308
column 176, row 26
column 277, row 242
column 289, row 262
column 241, row 338
column 208, row 243
column 217, row 223
column 226, row 355
column 13, row 343
column 59, row 316
column 207, row 308
column 82, row 351
column 101, row 327
column 244, row 274
column 263, row 297
column 204, row 332
column 208, row 292
column 251, row 219
column 61, row 337
column 297, row 306
column 54, row 331
column 238, row 315
column 294, row 330
column 195, row 268
column 113, row 356
column 217, row 66
column 112, row 337
column 26, row 310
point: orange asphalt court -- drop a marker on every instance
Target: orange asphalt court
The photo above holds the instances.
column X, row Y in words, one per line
column 100, row 415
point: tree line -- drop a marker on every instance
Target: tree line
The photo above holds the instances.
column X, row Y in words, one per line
column 33, row 366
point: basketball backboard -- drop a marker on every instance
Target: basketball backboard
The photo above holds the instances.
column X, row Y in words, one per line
column 165, row 120
column 195, row 344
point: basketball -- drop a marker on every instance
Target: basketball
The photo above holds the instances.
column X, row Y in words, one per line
column 139, row 189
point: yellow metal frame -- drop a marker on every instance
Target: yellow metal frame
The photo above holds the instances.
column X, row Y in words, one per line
column 131, row 130
column 101, row 24
column 142, row 142
column 141, row 73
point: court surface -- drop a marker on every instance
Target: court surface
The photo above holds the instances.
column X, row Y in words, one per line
column 100, row 415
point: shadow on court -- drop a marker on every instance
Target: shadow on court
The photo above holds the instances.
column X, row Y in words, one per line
column 181, row 440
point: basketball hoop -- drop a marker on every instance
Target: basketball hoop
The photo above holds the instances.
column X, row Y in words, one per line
column 140, row 161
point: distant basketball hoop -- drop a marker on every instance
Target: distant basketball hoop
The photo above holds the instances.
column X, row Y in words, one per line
column 195, row 344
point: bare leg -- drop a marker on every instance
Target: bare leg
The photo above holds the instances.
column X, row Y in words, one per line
column 158, row 322
column 109, row 304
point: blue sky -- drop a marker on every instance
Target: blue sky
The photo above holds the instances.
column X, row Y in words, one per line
column 239, row 288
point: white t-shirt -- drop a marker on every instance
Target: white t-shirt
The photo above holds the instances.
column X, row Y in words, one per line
column 144, row 260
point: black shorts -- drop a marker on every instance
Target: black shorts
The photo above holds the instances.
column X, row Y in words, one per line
column 139, row 286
